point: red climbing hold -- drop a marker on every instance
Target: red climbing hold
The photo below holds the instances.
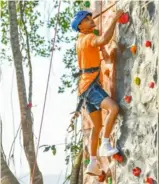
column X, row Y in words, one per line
column 127, row 99
column 118, row 157
column 124, row 19
column 29, row 105
column 101, row 178
column 149, row 180
column 148, row 43
column 137, row 171
column 151, row 85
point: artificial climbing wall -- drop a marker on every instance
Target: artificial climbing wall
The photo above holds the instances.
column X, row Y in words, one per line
column 132, row 79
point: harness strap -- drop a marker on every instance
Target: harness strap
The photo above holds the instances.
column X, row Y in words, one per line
column 87, row 70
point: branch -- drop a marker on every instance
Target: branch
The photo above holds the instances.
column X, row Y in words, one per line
column 13, row 144
column 1, row 146
column 28, row 52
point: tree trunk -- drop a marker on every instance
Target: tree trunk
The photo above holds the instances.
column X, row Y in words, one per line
column 7, row 176
column 26, row 120
column 80, row 176
column 76, row 169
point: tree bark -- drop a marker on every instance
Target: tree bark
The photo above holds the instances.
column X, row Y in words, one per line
column 26, row 120
column 7, row 176
column 80, row 176
column 76, row 169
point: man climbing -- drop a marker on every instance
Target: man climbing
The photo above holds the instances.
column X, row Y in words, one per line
column 89, row 88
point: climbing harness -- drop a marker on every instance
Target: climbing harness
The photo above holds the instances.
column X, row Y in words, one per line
column 83, row 96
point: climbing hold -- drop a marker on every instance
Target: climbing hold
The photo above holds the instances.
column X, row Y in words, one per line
column 29, row 105
column 137, row 171
column 101, row 178
column 96, row 32
column 109, row 180
column 151, row 85
column 148, row 43
column 118, row 157
column 107, row 72
column 86, row 161
column 127, row 99
column 149, row 180
column 87, row 4
column 124, row 18
column 137, row 81
column 133, row 49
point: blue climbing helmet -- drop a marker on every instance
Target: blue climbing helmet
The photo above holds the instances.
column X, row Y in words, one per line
column 79, row 16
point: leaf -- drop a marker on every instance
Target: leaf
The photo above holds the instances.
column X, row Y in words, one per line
column 46, row 148
column 53, row 148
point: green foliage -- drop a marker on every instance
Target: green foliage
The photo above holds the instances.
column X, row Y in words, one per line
column 53, row 148
column 48, row 148
column 87, row 4
column 66, row 35
column 38, row 44
column 31, row 15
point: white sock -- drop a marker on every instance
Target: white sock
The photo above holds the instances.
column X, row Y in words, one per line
column 105, row 140
column 93, row 158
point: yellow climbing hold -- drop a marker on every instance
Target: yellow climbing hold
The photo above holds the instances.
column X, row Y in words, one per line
column 137, row 81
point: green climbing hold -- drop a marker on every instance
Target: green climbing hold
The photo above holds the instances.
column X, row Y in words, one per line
column 86, row 161
column 96, row 32
column 109, row 180
column 87, row 4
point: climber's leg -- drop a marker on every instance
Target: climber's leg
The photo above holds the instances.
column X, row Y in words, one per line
column 113, row 109
column 96, row 119
column 100, row 99
column 93, row 167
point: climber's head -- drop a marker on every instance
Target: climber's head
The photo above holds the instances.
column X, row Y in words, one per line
column 83, row 22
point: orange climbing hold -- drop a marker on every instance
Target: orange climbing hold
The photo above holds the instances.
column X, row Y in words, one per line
column 133, row 49
column 127, row 99
column 148, row 43
column 124, row 19
column 136, row 171
column 149, row 180
column 151, row 85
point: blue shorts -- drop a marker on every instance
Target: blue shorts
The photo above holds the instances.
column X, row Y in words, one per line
column 94, row 96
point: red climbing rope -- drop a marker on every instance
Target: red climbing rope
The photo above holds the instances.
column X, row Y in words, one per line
column 52, row 54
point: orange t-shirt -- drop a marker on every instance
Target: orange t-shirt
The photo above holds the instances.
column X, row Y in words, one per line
column 88, row 57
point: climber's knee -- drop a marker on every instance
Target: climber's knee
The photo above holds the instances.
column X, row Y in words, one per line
column 110, row 105
column 114, row 109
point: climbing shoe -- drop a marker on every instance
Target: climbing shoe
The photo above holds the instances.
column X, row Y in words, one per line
column 107, row 150
column 93, row 169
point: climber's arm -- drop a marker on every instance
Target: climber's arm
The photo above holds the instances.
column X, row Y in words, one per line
column 105, row 54
column 108, row 33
